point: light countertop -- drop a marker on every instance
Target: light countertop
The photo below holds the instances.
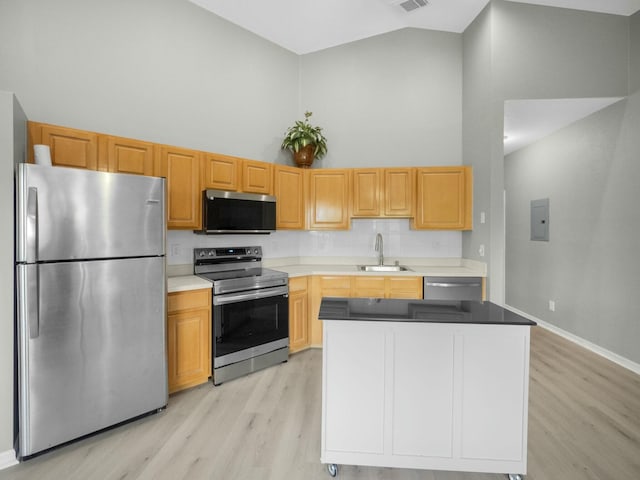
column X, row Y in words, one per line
column 303, row 266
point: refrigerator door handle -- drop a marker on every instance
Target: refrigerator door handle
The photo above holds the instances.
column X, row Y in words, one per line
column 31, row 227
column 33, row 300
column 28, row 307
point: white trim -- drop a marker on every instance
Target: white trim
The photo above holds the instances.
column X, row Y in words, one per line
column 603, row 352
column 8, row 459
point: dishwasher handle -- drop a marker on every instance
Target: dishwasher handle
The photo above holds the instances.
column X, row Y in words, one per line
column 449, row 285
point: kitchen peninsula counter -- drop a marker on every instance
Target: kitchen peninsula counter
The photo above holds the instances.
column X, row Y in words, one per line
column 437, row 385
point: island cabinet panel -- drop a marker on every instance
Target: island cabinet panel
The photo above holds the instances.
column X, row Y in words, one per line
column 125, row 155
column 70, row 147
column 444, row 198
column 435, row 396
column 484, row 396
column 422, row 413
column 221, row 172
column 290, row 197
column 355, row 410
column 188, row 338
column 298, row 314
column 329, row 191
column 257, row 177
column 181, row 168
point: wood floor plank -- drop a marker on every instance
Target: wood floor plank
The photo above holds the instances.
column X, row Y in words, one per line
column 584, row 424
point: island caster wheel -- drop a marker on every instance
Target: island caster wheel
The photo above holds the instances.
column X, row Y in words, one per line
column 515, row 476
column 332, row 468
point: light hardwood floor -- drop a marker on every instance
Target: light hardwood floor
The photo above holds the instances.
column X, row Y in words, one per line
column 584, row 423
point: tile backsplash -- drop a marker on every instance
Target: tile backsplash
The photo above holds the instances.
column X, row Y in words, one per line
column 399, row 241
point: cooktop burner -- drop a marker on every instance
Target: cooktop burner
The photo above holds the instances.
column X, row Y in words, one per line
column 234, row 269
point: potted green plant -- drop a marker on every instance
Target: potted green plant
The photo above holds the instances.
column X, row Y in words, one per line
column 305, row 141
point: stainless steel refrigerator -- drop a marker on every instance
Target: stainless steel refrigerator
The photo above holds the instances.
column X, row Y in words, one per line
column 91, row 302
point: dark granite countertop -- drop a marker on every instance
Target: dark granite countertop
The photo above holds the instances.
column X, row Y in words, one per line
column 428, row 311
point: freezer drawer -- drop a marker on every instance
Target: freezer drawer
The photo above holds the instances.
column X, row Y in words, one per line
column 453, row 288
column 91, row 350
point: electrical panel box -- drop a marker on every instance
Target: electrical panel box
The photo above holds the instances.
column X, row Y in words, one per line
column 540, row 220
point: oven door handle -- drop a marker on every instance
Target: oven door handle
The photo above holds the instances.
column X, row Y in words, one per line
column 244, row 296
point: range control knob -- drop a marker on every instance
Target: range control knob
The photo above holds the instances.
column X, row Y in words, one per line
column 201, row 253
column 255, row 251
column 211, row 252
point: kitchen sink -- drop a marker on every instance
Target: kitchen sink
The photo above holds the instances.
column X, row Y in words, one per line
column 383, row 268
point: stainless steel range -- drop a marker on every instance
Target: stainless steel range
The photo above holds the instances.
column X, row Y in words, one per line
column 250, row 315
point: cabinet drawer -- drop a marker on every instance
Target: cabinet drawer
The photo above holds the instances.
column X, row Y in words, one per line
column 297, row 284
column 189, row 300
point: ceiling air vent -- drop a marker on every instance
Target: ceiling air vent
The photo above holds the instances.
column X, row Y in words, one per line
column 410, row 5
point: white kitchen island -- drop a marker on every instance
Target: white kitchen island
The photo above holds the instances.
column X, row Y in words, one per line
column 424, row 384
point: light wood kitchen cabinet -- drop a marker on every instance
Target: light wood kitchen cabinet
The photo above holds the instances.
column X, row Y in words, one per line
column 444, row 198
column 325, row 286
column 386, row 287
column 69, row 147
column 399, row 192
column 125, row 155
column 298, row 314
column 181, row 168
column 290, row 198
column 383, row 192
column 257, row 177
column 329, row 191
column 367, row 192
column 188, row 338
column 221, row 172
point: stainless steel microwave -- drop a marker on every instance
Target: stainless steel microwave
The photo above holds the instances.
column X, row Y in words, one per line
column 233, row 212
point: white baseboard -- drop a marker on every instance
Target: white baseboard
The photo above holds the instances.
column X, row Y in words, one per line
column 8, row 459
column 603, row 352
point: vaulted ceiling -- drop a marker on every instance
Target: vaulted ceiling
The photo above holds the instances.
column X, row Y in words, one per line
column 305, row 26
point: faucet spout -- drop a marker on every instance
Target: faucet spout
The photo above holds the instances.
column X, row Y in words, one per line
column 380, row 248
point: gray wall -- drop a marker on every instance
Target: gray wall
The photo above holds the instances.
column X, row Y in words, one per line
column 536, row 52
column 590, row 173
column 12, row 132
column 161, row 70
column 390, row 100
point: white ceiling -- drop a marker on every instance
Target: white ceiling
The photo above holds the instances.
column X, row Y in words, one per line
column 526, row 121
column 305, row 26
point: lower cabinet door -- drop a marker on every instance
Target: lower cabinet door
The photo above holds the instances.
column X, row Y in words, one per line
column 188, row 341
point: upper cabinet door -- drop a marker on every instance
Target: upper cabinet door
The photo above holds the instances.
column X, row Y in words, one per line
column 257, row 177
column 399, row 192
column 181, row 167
column 290, row 198
column 125, row 155
column 221, row 172
column 367, row 192
column 444, row 198
column 70, row 147
column 329, row 199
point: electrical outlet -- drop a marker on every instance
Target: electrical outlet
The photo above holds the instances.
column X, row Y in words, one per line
column 552, row 305
column 174, row 250
column 482, row 217
column 481, row 250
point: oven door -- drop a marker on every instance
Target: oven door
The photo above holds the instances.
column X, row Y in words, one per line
column 248, row 324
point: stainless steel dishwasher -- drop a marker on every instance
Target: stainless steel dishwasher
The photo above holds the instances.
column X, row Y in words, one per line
column 453, row 288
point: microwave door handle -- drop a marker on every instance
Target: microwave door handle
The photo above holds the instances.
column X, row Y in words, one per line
column 31, row 226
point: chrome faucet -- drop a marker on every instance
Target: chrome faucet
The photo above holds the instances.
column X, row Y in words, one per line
column 379, row 248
